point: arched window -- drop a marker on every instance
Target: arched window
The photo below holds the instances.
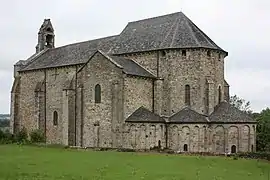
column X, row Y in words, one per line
column 159, row 144
column 187, row 95
column 97, row 94
column 219, row 95
column 55, row 118
column 184, row 52
column 163, row 53
column 233, row 149
column 185, row 147
column 209, row 53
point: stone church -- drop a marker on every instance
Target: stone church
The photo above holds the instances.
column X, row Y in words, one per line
column 159, row 83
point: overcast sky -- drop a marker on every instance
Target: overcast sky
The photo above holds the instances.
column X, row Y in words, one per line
column 241, row 27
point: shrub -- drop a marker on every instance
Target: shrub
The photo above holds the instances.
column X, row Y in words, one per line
column 6, row 137
column 37, row 136
column 255, row 155
column 21, row 136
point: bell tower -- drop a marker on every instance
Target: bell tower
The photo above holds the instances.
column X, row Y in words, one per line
column 45, row 36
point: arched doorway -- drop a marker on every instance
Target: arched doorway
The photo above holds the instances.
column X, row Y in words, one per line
column 233, row 149
column 185, row 147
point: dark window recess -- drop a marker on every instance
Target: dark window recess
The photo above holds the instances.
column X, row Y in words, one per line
column 187, row 95
column 49, row 41
column 219, row 95
column 184, row 52
column 163, row 53
column 208, row 53
column 146, row 136
column 185, row 147
column 55, row 118
column 233, row 149
column 159, row 144
column 97, row 94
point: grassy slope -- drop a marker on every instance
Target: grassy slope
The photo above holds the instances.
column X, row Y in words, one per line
column 22, row 162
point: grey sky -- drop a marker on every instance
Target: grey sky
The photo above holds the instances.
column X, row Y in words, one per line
column 240, row 27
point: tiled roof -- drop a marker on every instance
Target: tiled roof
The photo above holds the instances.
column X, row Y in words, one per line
column 224, row 112
column 144, row 115
column 71, row 54
column 168, row 31
column 131, row 67
column 187, row 115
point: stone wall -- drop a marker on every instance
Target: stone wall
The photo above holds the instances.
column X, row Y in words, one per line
column 215, row 138
column 138, row 92
column 100, row 121
column 57, row 79
column 201, row 69
column 28, row 117
column 144, row 135
column 148, row 60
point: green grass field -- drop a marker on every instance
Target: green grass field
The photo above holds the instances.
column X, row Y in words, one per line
column 25, row 162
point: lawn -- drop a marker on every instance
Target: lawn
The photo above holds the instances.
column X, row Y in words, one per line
column 25, row 162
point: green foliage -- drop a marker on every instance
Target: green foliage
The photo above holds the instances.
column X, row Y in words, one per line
column 241, row 104
column 37, row 136
column 21, row 136
column 263, row 130
column 4, row 123
column 255, row 155
column 6, row 137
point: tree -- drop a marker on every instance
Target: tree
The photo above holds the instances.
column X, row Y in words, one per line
column 4, row 123
column 263, row 130
column 241, row 104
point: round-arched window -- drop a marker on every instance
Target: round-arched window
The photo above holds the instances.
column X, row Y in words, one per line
column 55, row 118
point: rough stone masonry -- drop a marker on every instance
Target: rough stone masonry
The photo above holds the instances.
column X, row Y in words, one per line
column 159, row 83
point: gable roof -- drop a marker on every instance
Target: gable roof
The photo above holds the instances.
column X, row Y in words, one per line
column 187, row 115
column 162, row 32
column 224, row 112
column 72, row 54
column 143, row 115
column 131, row 67
column 128, row 66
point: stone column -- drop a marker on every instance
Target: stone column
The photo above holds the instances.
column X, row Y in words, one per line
column 158, row 96
column 226, row 145
column 211, row 96
column 79, row 116
column 65, row 117
column 12, row 115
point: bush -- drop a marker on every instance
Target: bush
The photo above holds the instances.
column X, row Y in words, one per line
column 21, row 136
column 6, row 137
column 255, row 155
column 37, row 136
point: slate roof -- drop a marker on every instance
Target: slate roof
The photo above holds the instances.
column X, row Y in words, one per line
column 162, row 32
column 168, row 31
column 224, row 112
column 142, row 115
column 131, row 67
column 187, row 115
column 72, row 54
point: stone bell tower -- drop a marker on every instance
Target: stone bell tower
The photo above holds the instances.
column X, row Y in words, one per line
column 45, row 36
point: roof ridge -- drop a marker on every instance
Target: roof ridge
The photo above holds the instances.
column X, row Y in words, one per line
column 80, row 42
column 202, row 32
column 168, row 33
column 150, row 18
